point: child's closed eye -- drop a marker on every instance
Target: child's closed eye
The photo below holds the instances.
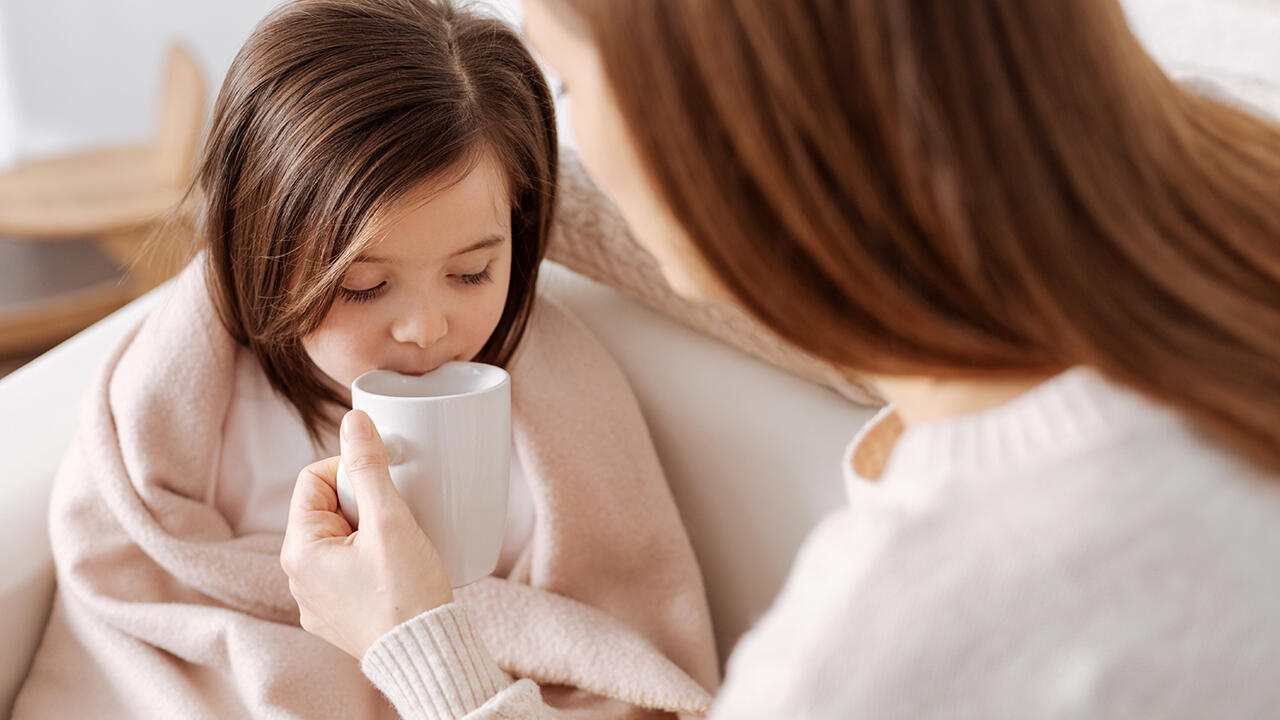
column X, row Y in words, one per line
column 371, row 293
column 479, row 278
column 362, row 295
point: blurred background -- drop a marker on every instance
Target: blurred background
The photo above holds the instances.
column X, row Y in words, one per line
column 102, row 101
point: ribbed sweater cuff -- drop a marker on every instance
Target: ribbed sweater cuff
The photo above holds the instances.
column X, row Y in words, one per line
column 434, row 665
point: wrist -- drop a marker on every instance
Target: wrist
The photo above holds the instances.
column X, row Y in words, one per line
column 435, row 654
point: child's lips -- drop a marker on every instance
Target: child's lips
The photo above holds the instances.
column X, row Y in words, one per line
column 417, row 370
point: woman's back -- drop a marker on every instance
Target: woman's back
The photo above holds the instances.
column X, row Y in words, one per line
column 1077, row 552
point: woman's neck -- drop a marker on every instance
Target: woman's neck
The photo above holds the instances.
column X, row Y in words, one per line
column 922, row 399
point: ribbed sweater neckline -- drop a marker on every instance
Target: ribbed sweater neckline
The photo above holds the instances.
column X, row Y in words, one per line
column 1073, row 410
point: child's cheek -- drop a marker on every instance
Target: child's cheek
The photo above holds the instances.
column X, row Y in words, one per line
column 344, row 346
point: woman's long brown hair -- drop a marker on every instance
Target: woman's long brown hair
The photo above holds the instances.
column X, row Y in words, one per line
column 330, row 113
column 985, row 188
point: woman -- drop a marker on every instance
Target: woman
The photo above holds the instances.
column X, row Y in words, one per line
column 1061, row 268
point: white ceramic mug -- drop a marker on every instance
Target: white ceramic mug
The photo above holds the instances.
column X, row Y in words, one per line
column 448, row 438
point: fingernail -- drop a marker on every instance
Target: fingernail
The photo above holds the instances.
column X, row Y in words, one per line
column 356, row 426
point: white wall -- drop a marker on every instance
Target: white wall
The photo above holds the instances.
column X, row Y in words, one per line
column 1241, row 37
column 8, row 107
column 75, row 73
column 88, row 71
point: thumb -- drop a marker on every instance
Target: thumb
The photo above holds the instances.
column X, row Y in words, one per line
column 364, row 460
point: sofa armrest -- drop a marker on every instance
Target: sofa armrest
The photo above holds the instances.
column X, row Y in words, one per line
column 39, row 406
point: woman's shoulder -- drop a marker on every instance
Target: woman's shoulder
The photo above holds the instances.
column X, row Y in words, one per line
column 1142, row 593
column 1151, row 506
column 1128, row 566
column 1140, row 571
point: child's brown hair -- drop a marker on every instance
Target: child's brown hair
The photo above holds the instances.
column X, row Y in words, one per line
column 331, row 111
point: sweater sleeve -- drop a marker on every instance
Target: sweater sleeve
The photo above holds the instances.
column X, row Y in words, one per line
column 435, row 667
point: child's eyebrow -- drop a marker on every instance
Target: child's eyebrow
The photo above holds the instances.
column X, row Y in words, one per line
column 488, row 242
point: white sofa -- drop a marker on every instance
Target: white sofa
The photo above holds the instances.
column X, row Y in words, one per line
column 752, row 455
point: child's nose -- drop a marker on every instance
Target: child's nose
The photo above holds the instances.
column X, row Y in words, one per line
column 423, row 328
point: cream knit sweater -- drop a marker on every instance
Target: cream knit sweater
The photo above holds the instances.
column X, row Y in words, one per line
column 1078, row 552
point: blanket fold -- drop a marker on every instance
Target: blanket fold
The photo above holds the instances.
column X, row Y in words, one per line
column 162, row 611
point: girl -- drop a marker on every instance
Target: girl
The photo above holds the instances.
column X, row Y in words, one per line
column 375, row 192
column 1064, row 271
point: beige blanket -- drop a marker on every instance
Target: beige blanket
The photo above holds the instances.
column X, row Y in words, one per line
column 161, row 612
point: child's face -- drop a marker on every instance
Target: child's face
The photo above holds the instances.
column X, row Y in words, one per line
column 430, row 290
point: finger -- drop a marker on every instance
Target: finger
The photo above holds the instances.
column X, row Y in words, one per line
column 313, row 509
column 364, row 458
column 317, row 487
column 316, row 546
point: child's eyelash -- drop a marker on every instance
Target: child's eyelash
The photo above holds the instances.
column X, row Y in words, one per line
column 359, row 296
column 479, row 278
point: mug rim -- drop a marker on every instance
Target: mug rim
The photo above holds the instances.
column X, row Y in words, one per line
column 504, row 381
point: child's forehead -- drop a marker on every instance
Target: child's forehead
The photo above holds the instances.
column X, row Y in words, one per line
column 375, row 255
column 433, row 223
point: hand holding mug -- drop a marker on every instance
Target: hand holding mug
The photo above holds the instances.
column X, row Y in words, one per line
column 353, row 587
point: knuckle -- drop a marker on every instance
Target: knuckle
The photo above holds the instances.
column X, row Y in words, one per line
column 290, row 563
column 315, row 469
column 364, row 462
